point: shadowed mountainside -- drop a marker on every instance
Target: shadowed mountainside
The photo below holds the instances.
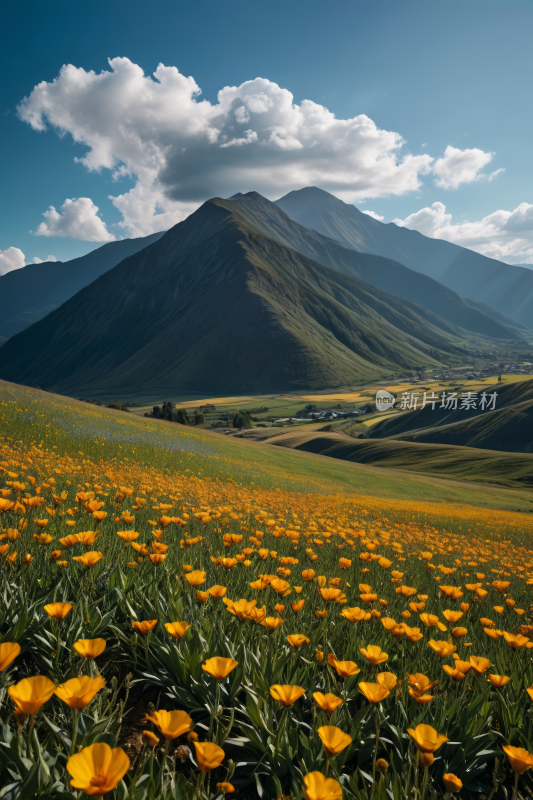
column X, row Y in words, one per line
column 215, row 303
column 485, row 280
column 28, row 294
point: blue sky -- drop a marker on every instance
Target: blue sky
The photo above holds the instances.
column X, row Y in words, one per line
column 440, row 75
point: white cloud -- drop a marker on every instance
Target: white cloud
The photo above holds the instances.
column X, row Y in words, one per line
column 182, row 150
column 461, row 166
column 38, row 260
column 374, row 215
column 11, row 259
column 427, row 220
column 504, row 235
column 78, row 220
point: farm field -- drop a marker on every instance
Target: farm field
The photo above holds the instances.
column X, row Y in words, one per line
column 237, row 615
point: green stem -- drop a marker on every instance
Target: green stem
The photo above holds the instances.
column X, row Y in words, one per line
column 28, row 740
column 515, row 790
column 376, row 712
column 214, row 711
column 425, row 783
column 327, row 765
column 416, row 769
column 74, row 731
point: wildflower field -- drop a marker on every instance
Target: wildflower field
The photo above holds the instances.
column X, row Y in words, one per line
column 175, row 624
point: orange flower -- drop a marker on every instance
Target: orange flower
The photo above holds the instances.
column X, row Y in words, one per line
column 217, row 591
column 498, row 680
column 8, row 653
column 272, row 623
column 298, row 606
column 296, row 640
column 426, row 738
column 208, row 756
column 287, row 695
column 344, row 668
column 219, row 667
column 195, row 578
column 128, row 536
column 170, row 724
column 58, row 611
column 327, row 702
column 177, row 629
column 374, row 692
column 373, row 654
column 145, row 626
column 333, row 739
column 479, row 665
column 519, row 758
column 89, row 559
column 157, row 558
column 387, row 679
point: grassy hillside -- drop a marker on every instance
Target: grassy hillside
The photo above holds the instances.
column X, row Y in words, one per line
column 461, row 463
column 508, row 428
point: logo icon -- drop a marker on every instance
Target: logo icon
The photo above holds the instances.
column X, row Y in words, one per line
column 384, row 400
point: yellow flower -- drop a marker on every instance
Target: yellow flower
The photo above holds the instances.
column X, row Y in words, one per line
column 308, row 574
column 457, row 633
column 441, row 648
column 208, row 755
column 217, row 591
column 171, row 724
column 78, row 692
column 387, row 679
column 31, row 693
column 287, row 695
column 272, row 623
column 177, row 629
column 479, row 665
column 374, row 692
column 8, row 653
column 195, row 578
column 426, row 738
column 89, row 560
column 344, row 668
column 452, row 782
column 97, row 769
column 333, row 739
column 225, row 787
column 454, row 672
column 516, row 642
column 520, row 759
column 145, row 626
column 498, row 680
column 90, row 648
column 317, row 787
column 296, row 640
column 452, row 616
column 202, row 597
column 128, row 536
column 374, row 654
column 219, row 667
column 354, row 614
column 150, row 738
column 58, row 611
column 327, row 702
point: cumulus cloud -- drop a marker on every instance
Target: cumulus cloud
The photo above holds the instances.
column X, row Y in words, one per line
column 181, row 149
column 461, row 166
column 374, row 215
column 38, row 260
column 78, row 219
column 11, row 259
column 427, row 221
column 505, row 235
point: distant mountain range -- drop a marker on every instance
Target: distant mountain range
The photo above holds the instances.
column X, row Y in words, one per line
column 28, row 294
column 239, row 296
column 485, row 280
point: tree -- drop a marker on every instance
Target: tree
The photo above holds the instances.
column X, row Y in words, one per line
column 242, row 419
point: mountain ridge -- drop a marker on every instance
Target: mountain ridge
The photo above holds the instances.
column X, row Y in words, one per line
column 503, row 286
column 217, row 303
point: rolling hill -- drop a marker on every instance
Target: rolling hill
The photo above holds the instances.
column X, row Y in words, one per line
column 216, row 304
column 28, row 294
column 485, row 280
column 509, row 427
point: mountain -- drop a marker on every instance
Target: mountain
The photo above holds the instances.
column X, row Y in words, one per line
column 509, row 427
column 391, row 276
column 485, row 280
column 217, row 304
column 28, row 294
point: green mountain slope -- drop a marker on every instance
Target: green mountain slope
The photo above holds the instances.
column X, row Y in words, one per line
column 391, row 276
column 485, row 280
column 217, row 305
column 28, row 294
